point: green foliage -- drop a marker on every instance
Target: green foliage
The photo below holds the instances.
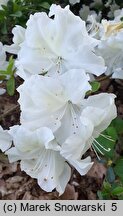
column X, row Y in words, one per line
column 11, row 86
column 95, row 86
column 119, row 168
column 17, row 12
column 111, row 191
column 8, row 75
column 113, row 184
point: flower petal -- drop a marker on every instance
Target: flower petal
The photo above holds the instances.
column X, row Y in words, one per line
column 5, row 140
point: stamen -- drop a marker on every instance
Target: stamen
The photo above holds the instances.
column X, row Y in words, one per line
column 107, row 137
column 96, row 147
column 107, row 150
column 93, row 28
column 96, row 152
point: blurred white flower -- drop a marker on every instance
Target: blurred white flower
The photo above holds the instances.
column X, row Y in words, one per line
column 85, row 12
column 111, row 46
column 18, row 38
column 5, row 140
column 3, row 2
column 40, row 157
column 113, row 7
column 96, row 4
column 55, row 45
column 118, row 14
column 73, row 2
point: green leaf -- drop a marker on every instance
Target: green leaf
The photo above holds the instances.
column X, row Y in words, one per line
column 16, row 14
column 4, row 28
column 2, row 72
column 118, row 124
column 111, row 131
column 95, row 86
column 11, row 86
column 10, row 70
column 45, row 5
column 107, row 186
column 117, row 191
column 119, row 168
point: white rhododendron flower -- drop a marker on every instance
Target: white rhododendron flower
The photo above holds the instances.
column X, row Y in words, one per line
column 59, row 104
column 54, row 102
column 3, row 2
column 111, row 47
column 5, row 140
column 55, row 45
column 18, row 38
column 40, row 157
column 73, row 2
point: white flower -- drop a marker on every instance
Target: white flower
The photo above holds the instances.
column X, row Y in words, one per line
column 118, row 14
column 59, row 104
column 3, row 62
column 5, row 140
column 96, row 3
column 100, row 109
column 18, row 38
column 113, row 8
column 55, row 45
column 40, row 157
column 97, row 113
column 111, row 47
column 54, row 102
column 3, row 2
column 73, row 2
column 85, row 12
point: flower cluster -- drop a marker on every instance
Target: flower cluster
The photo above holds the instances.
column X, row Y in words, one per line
column 59, row 122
